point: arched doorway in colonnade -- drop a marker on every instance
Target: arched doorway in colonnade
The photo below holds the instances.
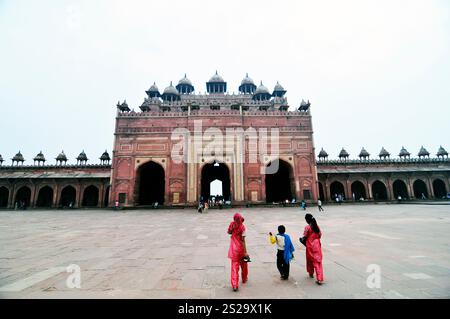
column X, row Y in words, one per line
column 400, row 189
column 379, row 191
column 337, row 189
column 23, row 197
column 358, row 190
column 90, row 196
column 4, row 196
column 439, row 189
column 420, row 189
column 45, row 197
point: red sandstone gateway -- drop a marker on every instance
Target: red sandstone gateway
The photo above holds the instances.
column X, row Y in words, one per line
column 182, row 148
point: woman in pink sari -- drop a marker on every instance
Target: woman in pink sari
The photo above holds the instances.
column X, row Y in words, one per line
column 312, row 235
column 237, row 251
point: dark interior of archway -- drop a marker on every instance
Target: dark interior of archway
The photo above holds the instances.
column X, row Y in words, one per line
column 90, row 197
column 4, row 194
column 106, row 199
column 379, row 191
column 278, row 185
column 336, row 188
column 212, row 172
column 68, row 195
column 419, row 189
column 359, row 190
column 45, row 197
column 23, row 196
column 151, row 183
column 439, row 189
column 321, row 192
column 399, row 188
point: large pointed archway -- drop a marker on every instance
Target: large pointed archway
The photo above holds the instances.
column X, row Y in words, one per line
column 90, row 196
column 23, row 197
column 150, row 181
column 68, row 196
column 439, row 189
column 279, row 185
column 379, row 191
column 358, row 190
column 336, row 189
column 212, row 172
column 420, row 189
column 400, row 190
column 45, row 197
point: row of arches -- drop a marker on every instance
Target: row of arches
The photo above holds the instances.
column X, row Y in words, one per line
column 45, row 197
column 380, row 190
column 150, row 183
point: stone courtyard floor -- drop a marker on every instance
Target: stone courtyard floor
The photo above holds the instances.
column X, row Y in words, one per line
column 183, row 254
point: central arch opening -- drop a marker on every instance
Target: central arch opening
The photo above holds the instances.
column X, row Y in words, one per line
column 90, row 196
column 279, row 186
column 151, row 181
column 337, row 190
column 45, row 197
column 215, row 181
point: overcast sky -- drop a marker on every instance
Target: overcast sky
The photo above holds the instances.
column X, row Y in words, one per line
column 377, row 73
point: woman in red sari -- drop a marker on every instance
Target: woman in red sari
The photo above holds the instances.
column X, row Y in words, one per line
column 237, row 251
column 312, row 235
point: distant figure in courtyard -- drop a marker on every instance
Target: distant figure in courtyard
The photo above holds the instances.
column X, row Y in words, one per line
column 303, row 204
column 319, row 204
column 284, row 252
column 311, row 239
column 205, row 208
column 423, row 196
column 116, row 205
column 238, row 251
column 200, row 207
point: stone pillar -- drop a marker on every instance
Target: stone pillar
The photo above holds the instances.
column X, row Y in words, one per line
column 79, row 198
column 33, row 196
column 430, row 188
column 101, row 195
column 348, row 190
column 55, row 196
column 410, row 187
column 326, row 190
column 11, row 196
column 369, row 189
column 389, row 189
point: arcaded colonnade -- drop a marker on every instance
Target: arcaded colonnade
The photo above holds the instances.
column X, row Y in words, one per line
column 54, row 187
column 384, row 180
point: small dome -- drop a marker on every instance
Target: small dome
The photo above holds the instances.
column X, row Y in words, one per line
column 185, row 80
column 82, row 157
column 441, row 152
column 153, row 88
column 262, row 89
column 61, row 157
column 18, row 157
column 364, row 153
column 216, row 78
column 39, row 157
column 247, row 80
column 343, row 153
column 170, row 90
column 278, row 88
column 105, row 156
column 323, row 153
column 384, row 153
column 423, row 152
column 404, row 152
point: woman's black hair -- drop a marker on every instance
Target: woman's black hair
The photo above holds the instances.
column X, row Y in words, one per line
column 313, row 223
column 281, row 229
column 315, row 228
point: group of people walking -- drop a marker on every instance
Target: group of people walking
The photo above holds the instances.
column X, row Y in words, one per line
column 285, row 250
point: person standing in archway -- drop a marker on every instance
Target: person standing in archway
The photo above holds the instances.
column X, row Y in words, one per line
column 238, row 251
